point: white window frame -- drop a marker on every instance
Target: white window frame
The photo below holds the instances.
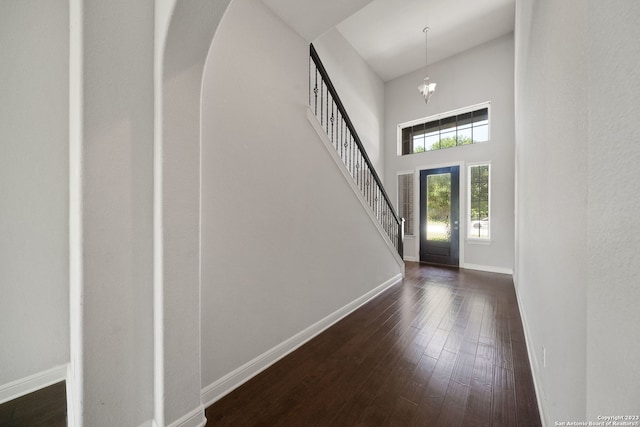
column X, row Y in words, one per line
column 439, row 116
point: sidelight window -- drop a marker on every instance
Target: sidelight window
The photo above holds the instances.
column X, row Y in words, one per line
column 405, row 201
column 479, row 220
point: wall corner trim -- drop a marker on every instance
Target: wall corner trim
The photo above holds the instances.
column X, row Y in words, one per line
column 34, row 382
column 223, row 386
column 194, row 418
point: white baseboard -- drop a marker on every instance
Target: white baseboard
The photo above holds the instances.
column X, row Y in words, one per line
column 239, row 376
column 34, row 382
column 487, row 268
column 411, row 259
column 194, row 418
column 533, row 361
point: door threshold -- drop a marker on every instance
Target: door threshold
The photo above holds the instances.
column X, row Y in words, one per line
column 435, row 264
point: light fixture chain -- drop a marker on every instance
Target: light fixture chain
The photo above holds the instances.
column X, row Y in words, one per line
column 425, row 30
column 427, row 88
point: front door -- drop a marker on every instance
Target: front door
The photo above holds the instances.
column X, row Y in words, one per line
column 440, row 216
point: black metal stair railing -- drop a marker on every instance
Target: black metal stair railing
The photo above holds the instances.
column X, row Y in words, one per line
column 330, row 112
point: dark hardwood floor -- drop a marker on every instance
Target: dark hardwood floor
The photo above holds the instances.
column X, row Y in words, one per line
column 42, row 408
column 443, row 348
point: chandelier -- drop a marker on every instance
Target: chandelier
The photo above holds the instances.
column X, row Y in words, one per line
column 426, row 89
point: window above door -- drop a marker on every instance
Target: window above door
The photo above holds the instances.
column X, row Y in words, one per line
column 453, row 129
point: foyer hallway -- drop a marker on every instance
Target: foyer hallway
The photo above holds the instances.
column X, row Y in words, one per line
column 443, row 347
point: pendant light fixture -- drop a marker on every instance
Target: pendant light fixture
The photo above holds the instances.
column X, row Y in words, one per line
column 426, row 88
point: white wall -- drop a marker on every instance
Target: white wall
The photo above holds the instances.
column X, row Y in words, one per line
column 285, row 242
column 177, row 288
column 551, row 271
column 34, row 187
column 577, row 163
column 360, row 90
column 613, row 341
column 116, row 212
column 481, row 74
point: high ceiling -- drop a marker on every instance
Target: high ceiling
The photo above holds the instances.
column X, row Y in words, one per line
column 388, row 33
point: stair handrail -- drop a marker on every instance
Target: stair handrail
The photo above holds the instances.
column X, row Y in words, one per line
column 349, row 124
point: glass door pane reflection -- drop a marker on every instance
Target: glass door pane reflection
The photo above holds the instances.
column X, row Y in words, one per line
column 438, row 207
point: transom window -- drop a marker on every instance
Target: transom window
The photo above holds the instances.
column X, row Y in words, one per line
column 436, row 133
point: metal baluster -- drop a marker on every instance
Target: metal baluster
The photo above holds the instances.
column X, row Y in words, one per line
column 339, row 139
column 327, row 110
column 338, row 119
column 357, row 168
column 394, row 232
column 354, row 162
column 375, row 203
column 366, row 187
column 321, row 100
column 342, row 142
column 379, row 208
column 341, row 132
column 395, row 229
column 362, row 167
column 347, row 147
column 315, row 93
column 347, row 142
column 369, row 189
column 363, row 176
column 346, row 150
column 385, row 217
column 336, row 122
column 361, row 172
column 339, row 143
column 351, row 153
column 325, row 107
column 332, row 119
column 309, row 87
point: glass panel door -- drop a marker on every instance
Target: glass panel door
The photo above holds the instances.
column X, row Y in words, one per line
column 439, row 215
